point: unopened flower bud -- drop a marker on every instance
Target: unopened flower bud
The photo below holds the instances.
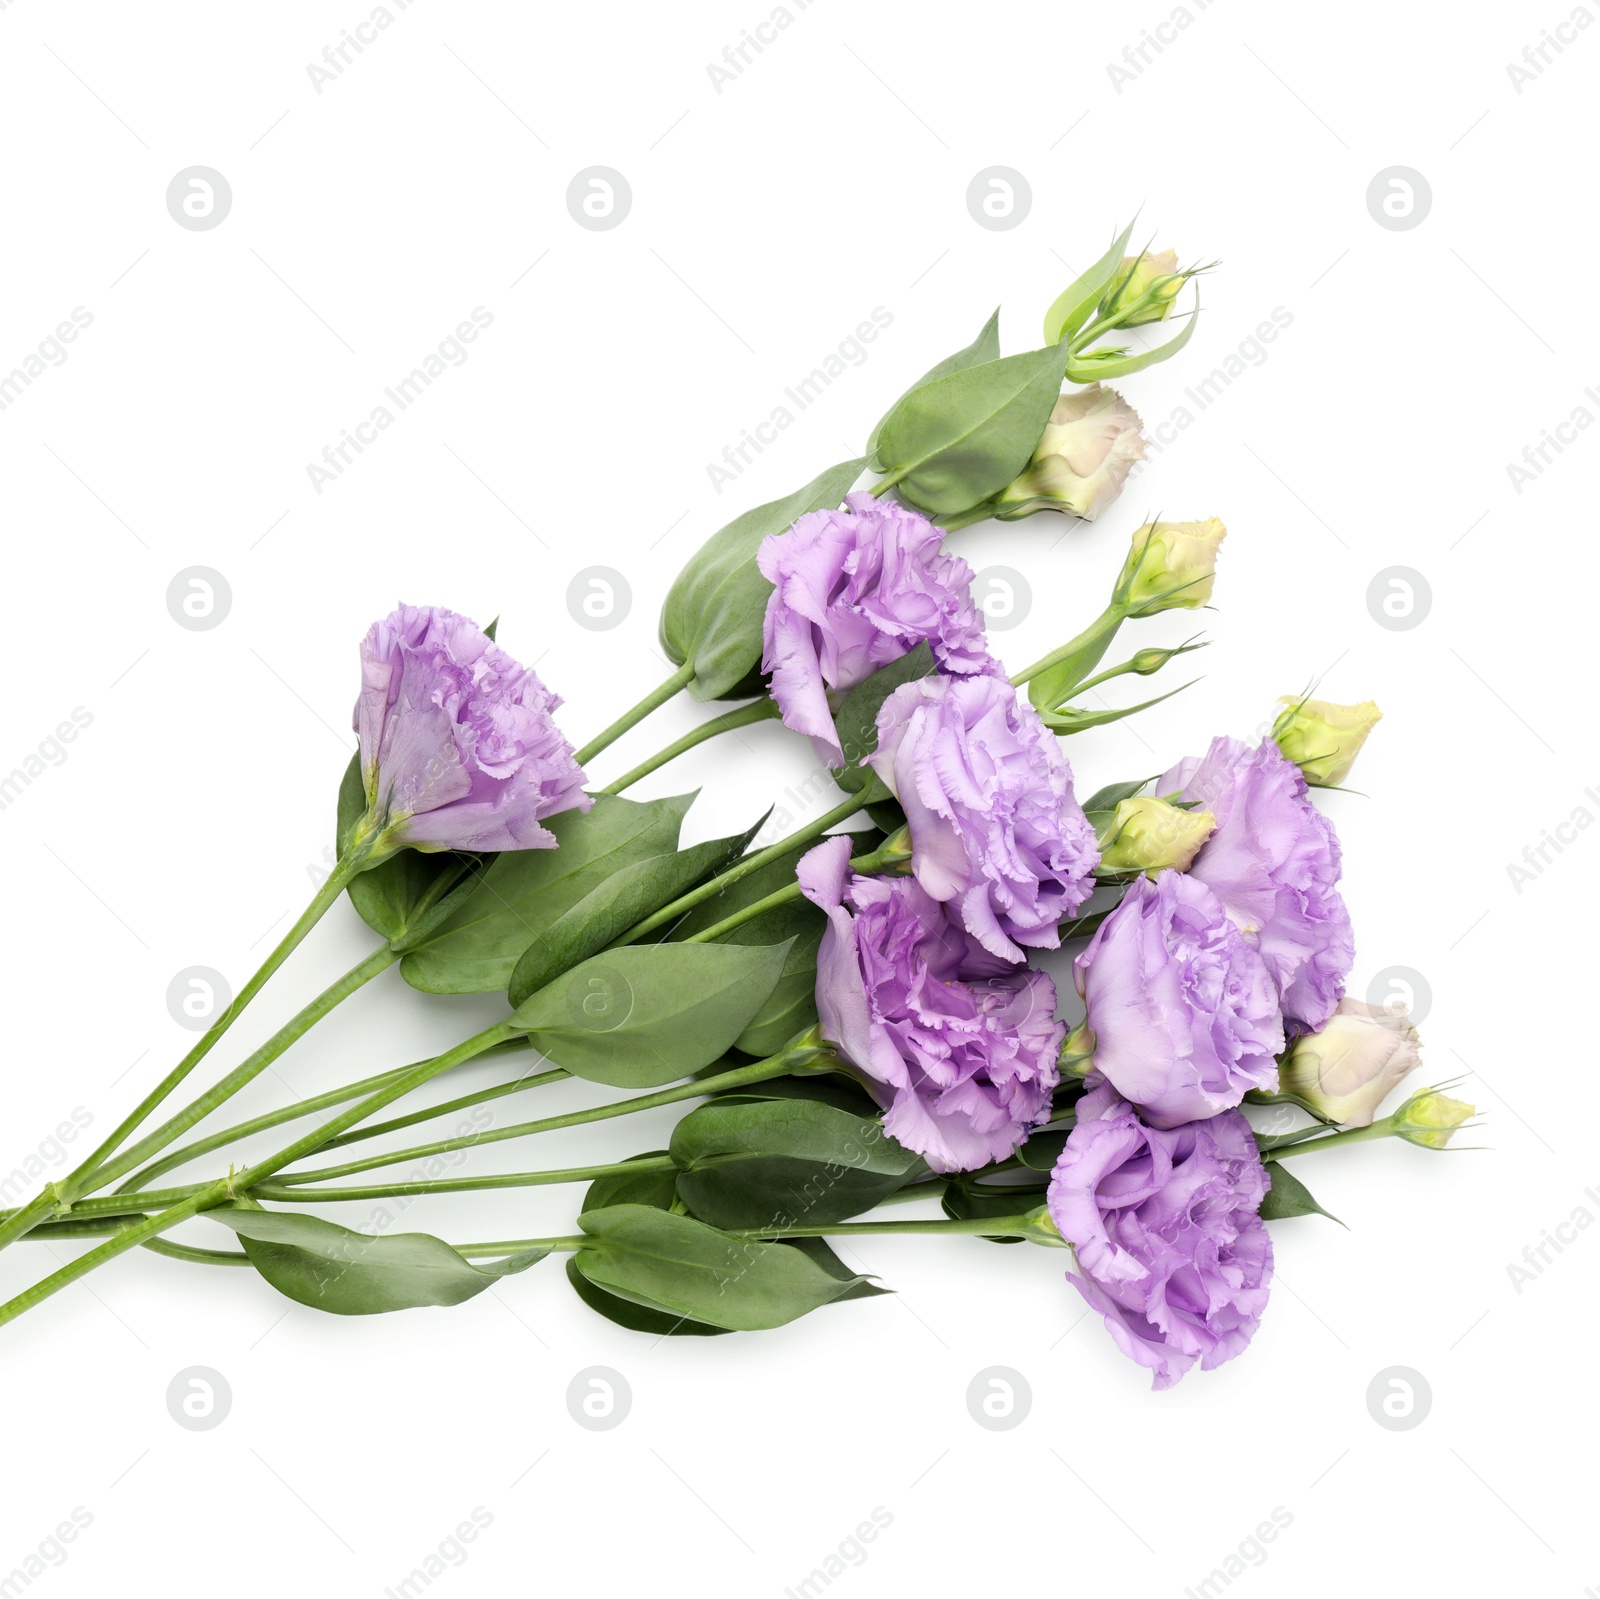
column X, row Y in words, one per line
column 1430, row 1118
column 1149, row 835
column 1077, row 1051
column 1152, row 278
column 1083, row 457
column 1346, row 1071
column 1171, row 566
column 1321, row 738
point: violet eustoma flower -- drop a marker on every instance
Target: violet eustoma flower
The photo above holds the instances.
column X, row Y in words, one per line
column 1167, row 1232
column 1274, row 863
column 1183, row 1011
column 853, row 590
column 996, row 831
column 959, row 1048
column 458, row 749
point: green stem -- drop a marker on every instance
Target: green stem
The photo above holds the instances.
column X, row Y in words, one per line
column 759, row 1071
column 1351, row 1135
column 430, row 1113
column 861, row 865
column 1089, row 646
column 259, row 1124
column 742, row 868
column 40, row 1208
column 978, row 1227
column 423, row 1072
column 338, row 880
column 656, row 698
column 463, row 1185
column 247, row 1071
column 744, row 716
column 95, row 1216
column 201, row 1257
column 956, row 520
column 216, row 1194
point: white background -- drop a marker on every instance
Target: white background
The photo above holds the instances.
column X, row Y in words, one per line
column 768, row 219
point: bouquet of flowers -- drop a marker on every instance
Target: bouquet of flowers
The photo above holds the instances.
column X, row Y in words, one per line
column 850, row 1017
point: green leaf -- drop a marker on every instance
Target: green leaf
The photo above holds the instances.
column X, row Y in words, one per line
column 612, row 907
column 791, row 1006
column 962, row 437
column 714, row 611
column 857, row 717
column 1070, row 309
column 1043, row 1149
column 683, row 1267
column 638, row 1318
column 657, row 1188
column 1091, row 368
column 1112, row 795
column 819, row 1250
column 984, row 348
column 330, row 1268
column 525, row 892
column 1071, row 719
column 1288, row 1196
column 648, row 1014
column 785, row 1163
column 390, row 897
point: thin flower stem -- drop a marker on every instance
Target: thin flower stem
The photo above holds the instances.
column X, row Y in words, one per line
column 742, row 868
column 423, row 1072
column 463, row 1185
column 1350, row 1135
column 759, row 1071
column 228, row 1188
column 656, row 698
column 82, row 1174
column 999, row 1226
column 91, row 1217
column 247, row 1071
column 1092, row 642
column 430, row 1113
column 956, row 520
column 976, row 1226
column 259, row 1124
column 119, row 1244
column 746, row 715
column 861, row 865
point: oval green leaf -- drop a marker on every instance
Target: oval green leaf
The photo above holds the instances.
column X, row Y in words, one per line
column 683, row 1267
column 611, row 908
column 328, row 1267
column 525, row 892
column 786, row 1163
column 962, row 437
column 648, row 1014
